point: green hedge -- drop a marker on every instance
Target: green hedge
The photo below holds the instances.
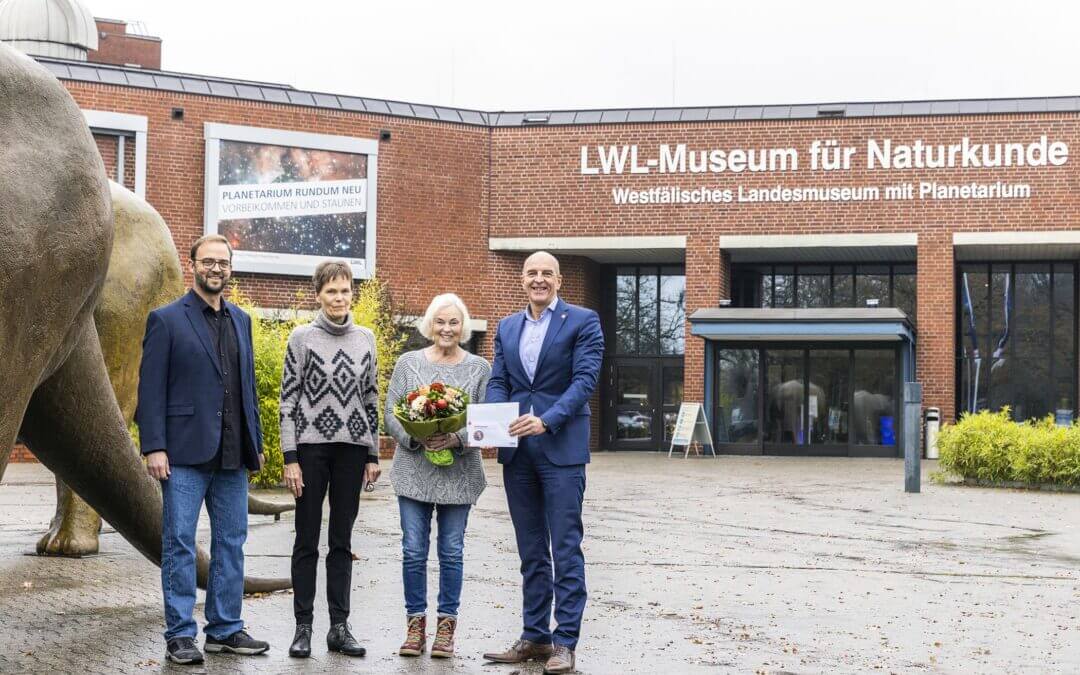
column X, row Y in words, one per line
column 990, row 446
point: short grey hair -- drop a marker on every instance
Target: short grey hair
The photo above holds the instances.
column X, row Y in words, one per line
column 439, row 302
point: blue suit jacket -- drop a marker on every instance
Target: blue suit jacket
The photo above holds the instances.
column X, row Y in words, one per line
column 181, row 390
column 565, row 378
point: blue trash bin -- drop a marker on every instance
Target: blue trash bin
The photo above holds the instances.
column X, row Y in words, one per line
column 888, row 432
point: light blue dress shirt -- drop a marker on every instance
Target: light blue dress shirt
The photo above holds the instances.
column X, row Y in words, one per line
column 532, row 338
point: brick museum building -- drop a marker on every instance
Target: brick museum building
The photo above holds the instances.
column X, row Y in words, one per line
column 787, row 266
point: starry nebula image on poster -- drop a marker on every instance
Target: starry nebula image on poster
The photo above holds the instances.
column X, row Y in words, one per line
column 314, row 200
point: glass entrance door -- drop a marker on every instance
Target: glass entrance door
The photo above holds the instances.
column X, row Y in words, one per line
column 645, row 395
column 820, row 400
column 634, row 399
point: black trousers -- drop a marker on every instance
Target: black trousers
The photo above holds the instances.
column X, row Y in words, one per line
column 338, row 467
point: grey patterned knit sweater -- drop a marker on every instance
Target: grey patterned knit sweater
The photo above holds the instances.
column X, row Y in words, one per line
column 329, row 390
column 414, row 476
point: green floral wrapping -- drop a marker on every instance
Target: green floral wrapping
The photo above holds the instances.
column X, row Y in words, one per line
column 428, row 428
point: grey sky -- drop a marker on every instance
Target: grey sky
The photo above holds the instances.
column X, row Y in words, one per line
column 557, row 54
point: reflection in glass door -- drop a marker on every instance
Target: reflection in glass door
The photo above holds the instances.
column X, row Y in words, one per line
column 828, row 396
column 635, row 405
column 785, row 396
column 820, row 400
column 672, row 397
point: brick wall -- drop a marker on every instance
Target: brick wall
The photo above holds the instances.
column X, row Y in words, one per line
column 109, row 147
column 444, row 189
column 537, row 190
column 117, row 47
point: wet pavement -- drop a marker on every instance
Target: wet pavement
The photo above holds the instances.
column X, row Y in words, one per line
column 749, row 565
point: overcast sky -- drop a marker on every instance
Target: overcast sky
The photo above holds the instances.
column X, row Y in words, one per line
column 520, row 55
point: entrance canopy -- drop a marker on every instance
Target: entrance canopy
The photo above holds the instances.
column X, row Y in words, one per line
column 803, row 325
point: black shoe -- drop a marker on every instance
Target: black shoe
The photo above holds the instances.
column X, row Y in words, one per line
column 301, row 642
column 237, row 643
column 339, row 639
column 183, row 651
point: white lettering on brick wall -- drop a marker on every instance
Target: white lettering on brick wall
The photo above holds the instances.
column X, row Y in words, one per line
column 825, row 155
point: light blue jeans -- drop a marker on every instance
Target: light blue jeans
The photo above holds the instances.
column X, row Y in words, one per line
column 415, row 540
column 225, row 494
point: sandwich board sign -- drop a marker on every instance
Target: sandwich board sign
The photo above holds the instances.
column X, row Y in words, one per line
column 691, row 427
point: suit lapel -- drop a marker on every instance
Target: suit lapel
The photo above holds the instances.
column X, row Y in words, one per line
column 193, row 310
column 241, row 334
column 558, row 320
column 512, row 345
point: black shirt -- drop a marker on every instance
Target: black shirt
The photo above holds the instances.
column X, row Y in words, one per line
column 230, row 453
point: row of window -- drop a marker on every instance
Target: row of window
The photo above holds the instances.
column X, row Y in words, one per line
column 808, row 286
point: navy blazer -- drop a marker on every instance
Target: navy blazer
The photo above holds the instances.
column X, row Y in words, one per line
column 181, row 390
column 566, row 375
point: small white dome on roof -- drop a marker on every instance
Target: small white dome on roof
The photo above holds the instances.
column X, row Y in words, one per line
column 58, row 28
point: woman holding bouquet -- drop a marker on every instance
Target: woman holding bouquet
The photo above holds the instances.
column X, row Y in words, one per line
column 423, row 483
column 329, row 436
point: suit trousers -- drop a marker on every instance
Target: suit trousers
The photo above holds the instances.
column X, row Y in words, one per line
column 545, row 506
column 339, row 469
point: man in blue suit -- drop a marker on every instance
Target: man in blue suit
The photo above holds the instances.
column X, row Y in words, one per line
column 547, row 360
column 199, row 430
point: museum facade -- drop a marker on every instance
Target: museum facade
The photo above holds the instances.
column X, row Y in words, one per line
column 788, row 266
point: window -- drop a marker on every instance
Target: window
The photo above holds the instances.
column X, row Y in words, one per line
column 1016, row 341
column 650, row 311
column 886, row 285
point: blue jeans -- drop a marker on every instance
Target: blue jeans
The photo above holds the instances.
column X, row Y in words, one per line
column 415, row 538
column 225, row 494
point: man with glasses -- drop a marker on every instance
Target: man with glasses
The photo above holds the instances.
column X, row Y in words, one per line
column 199, row 430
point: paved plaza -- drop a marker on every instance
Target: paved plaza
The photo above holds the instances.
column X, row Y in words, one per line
column 749, row 565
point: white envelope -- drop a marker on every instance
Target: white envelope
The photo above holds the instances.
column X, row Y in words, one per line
column 488, row 425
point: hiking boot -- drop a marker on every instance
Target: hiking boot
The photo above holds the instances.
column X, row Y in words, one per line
column 415, row 636
column 443, row 645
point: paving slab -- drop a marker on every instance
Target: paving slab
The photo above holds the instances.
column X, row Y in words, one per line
column 736, row 564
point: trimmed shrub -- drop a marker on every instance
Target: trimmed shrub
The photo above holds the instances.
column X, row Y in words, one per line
column 990, row 446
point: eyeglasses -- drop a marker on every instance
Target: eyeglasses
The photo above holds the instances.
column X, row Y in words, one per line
column 211, row 263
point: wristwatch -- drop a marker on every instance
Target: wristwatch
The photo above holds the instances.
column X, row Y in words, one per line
column 544, row 424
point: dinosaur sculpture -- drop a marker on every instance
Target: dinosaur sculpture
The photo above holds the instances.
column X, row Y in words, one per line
column 56, row 236
column 144, row 273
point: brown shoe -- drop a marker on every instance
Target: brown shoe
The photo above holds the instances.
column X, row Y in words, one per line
column 443, row 646
column 561, row 661
column 415, row 637
column 522, row 651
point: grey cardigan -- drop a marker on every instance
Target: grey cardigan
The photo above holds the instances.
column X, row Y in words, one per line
column 412, row 475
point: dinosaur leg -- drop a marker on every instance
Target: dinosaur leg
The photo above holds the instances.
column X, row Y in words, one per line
column 76, row 429
column 74, row 529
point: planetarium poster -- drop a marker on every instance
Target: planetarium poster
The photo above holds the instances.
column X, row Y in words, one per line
column 287, row 199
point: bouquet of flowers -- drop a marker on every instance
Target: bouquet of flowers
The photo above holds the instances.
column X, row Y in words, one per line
column 436, row 408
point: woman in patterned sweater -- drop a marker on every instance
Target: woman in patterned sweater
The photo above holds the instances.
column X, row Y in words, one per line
column 422, row 487
column 329, row 436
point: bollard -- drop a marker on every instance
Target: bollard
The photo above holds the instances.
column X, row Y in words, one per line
column 912, row 422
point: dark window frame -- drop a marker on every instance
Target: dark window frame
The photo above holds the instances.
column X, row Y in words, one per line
column 757, row 271
column 661, row 271
column 988, row 267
